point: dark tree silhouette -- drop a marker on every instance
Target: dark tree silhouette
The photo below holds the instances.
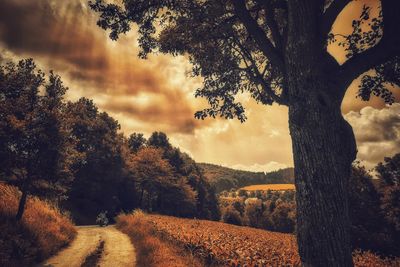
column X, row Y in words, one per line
column 36, row 150
column 389, row 173
column 136, row 141
column 159, row 139
column 277, row 51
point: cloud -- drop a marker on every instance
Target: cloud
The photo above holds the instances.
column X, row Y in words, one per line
column 63, row 35
column 377, row 133
column 268, row 167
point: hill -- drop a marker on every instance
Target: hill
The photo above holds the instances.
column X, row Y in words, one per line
column 223, row 178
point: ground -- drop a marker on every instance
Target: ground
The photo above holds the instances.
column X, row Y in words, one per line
column 118, row 250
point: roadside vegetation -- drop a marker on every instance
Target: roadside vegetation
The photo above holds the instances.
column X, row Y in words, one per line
column 153, row 250
column 42, row 231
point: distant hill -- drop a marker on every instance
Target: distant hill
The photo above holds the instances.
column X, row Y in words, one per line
column 223, row 178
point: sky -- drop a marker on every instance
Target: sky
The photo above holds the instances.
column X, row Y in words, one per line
column 156, row 94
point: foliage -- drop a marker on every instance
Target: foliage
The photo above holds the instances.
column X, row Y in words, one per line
column 167, row 178
column 101, row 174
column 389, row 189
column 245, row 43
column 272, row 210
column 136, row 141
column 37, row 152
column 42, row 231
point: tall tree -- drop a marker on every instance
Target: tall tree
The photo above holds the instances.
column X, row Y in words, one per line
column 277, row 51
column 37, row 153
column 99, row 176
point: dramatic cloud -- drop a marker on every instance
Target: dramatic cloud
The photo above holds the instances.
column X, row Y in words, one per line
column 156, row 94
column 377, row 132
column 63, row 35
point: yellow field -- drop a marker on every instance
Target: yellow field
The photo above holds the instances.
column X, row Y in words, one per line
column 265, row 187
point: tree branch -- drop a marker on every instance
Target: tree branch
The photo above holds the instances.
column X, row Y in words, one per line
column 330, row 15
column 258, row 34
column 388, row 46
column 257, row 75
column 271, row 23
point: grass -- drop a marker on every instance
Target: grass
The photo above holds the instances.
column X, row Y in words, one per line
column 272, row 187
column 42, row 231
column 220, row 244
column 152, row 250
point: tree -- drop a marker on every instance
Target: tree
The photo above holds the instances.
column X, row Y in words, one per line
column 277, row 51
column 365, row 215
column 100, row 175
column 37, row 153
column 153, row 174
column 159, row 140
column 389, row 173
column 136, row 141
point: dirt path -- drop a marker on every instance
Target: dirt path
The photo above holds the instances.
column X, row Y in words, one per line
column 118, row 250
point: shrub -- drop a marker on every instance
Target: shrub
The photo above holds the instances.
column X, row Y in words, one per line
column 42, row 231
column 232, row 216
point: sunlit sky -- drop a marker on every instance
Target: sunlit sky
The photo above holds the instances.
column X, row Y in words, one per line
column 157, row 94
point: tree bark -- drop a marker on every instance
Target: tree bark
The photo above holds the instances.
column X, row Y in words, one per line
column 323, row 148
column 323, row 143
column 21, row 205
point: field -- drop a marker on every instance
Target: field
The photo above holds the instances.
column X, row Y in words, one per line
column 265, row 187
column 220, row 244
column 42, row 231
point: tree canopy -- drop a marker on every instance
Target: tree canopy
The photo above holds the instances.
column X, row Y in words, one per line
column 239, row 46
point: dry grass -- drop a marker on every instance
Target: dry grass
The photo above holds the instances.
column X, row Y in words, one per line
column 42, row 231
column 152, row 250
column 220, row 244
column 272, row 187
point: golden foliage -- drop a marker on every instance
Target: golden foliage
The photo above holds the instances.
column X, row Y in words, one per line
column 42, row 231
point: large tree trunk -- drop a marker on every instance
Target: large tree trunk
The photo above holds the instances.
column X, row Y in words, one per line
column 323, row 147
column 21, row 206
column 323, row 143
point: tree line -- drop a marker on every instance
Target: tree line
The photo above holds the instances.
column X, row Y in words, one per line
column 223, row 178
column 74, row 154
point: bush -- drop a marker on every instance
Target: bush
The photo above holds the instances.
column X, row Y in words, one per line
column 232, row 216
column 42, row 231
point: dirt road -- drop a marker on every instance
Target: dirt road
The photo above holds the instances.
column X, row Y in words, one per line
column 118, row 250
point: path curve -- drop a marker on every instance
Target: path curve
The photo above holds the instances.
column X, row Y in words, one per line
column 118, row 249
